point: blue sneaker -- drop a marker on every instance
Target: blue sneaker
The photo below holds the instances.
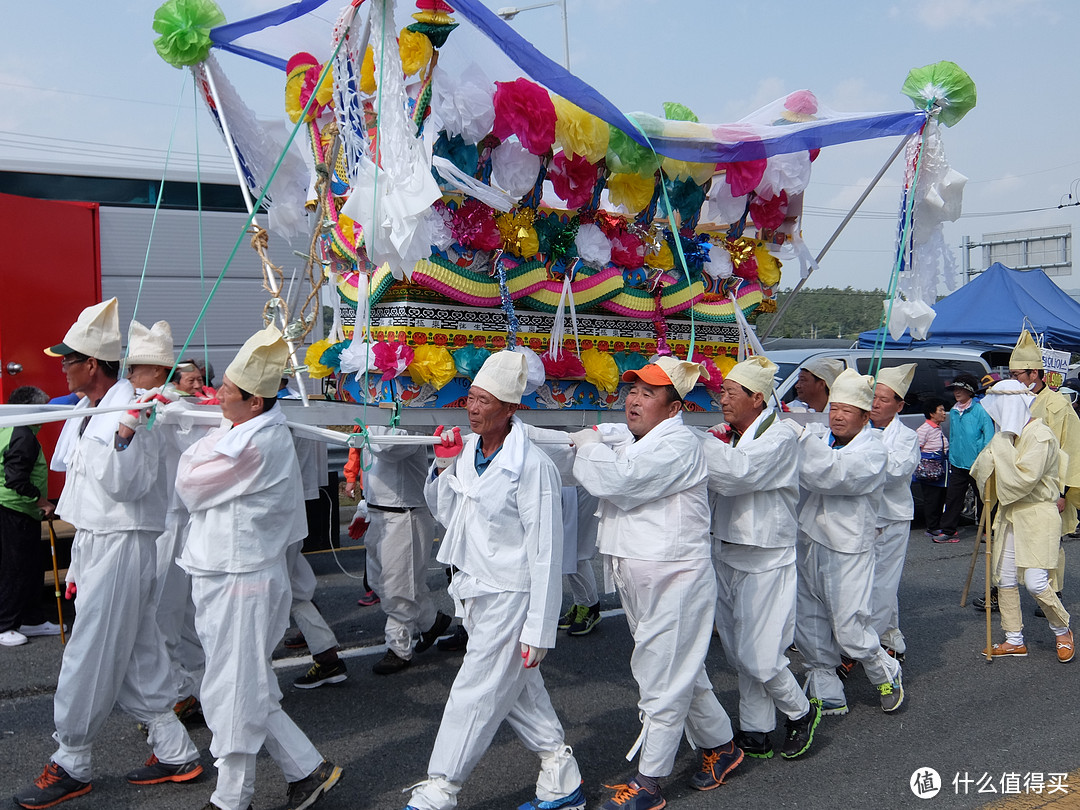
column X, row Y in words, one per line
column 633, row 796
column 575, row 801
column 716, row 764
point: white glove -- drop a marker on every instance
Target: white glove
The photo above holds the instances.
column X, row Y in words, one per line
column 132, row 419
column 587, row 436
column 532, row 655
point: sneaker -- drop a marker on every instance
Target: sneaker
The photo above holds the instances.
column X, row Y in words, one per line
column 390, row 663
column 932, row 533
column 155, row 772
column 456, row 641
column 368, row 599
column 567, row 618
column 830, row 709
column 12, row 638
column 319, row 674
column 43, row 629
column 308, row 790
column 187, row 709
column 212, row 806
column 979, row 602
column 431, row 635
column 1006, row 649
column 585, row 621
column 846, row 667
column 716, row 763
column 295, row 641
column 947, row 537
column 575, row 801
column 633, row 796
column 754, row 744
column 892, row 694
column 800, row 733
column 889, row 651
column 52, row 787
column 1039, row 612
column 1065, row 647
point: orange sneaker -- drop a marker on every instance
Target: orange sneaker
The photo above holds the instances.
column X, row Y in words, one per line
column 1005, row 648
column 1065, row 648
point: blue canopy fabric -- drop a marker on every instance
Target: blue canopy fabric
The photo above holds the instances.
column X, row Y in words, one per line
column 993, row 308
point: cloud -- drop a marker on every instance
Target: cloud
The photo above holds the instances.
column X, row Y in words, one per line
column 940, row 14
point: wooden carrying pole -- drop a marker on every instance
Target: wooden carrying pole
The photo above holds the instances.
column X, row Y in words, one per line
column 983, row 537
column 56, row 579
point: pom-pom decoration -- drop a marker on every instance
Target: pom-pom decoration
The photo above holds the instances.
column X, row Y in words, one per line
column 432, row 365
column 601, row 370
column 473, row 226
column 629, row 361
column 416, row 51
column 514, row 168
column 184, row 26
column 470, row 359
column 303, row 71
column 573, row 179
column 632, row 192
column 391, row 358
column 578, row 132
column 943, row 85
column 716, row 377
column 313, row 360
column 524, row 109
column 593, row 246
column 567, row 366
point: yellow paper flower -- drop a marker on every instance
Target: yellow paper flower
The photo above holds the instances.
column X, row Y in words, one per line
column 315, row 369
column 661, row 259
column 632, row 191
column 579, row 132
column 519, row 237
column 367, row 72
column 601, row 370
column 768, row 268
column 724, row 363
column 416, row 51
column 681, row 169
column 433, row 365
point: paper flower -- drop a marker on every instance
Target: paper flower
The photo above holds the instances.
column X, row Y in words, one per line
column 631, row 191
column 391, row 358
column 469, row 360
column 788, row 173
column 441, row 234
column 686, row 197
column 432, row 365
column 721, row 206
column 942, row 84
column 185, row 26
column 716, row 379
column 463, row 102
column 592, row 245
column 367, row 73
column 744, row 176
column 579, row 132
column 769, row 213
column 415, row 50
column 332, row 356
column 601, row 370
column 566, row 367
column 524, row 109
column 768, row 268
column 627, row 249
column 514, row 168
column 626, row 155
column 573, row 179
column 518, row 234
column 303, row 71
column 719, row 264
column 473, row 226
column 629, row 361
column 357, row 357
column 313, row 360
column 659, row 257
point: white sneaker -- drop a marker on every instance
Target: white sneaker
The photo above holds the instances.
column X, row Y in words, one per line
column 12, row 638
column 43, row 629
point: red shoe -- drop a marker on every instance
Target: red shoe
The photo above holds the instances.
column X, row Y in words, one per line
column 368, row 599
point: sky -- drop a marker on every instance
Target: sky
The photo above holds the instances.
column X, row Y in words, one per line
column 80, row 83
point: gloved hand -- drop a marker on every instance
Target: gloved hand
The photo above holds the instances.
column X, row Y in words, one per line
column 132, row 419
column 208, row 396
column 163, row 394
column 71, row 591
column 589, row 435
column 532, row 655
column 451, row 446
column 722, row 432
column 359, row 523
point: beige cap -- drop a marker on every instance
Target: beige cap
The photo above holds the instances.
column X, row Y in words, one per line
column 150, row 347
column 504, row 376
column 852, row 388
column 668, row 370
column 1026, row 354
column 260, row 363
column 755, row 373
column 96, row 333
column 824, row 369
column 898, row 378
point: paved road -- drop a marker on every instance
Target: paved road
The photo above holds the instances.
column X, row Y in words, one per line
column 962, row 715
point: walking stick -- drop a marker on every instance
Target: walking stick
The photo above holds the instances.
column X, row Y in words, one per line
column 56, row 579
column 986, row 526
column 979, row 539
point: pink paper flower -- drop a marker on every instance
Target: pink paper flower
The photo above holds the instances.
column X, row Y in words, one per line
column 627, row 249
column 525, row 109
column 473, row 225
column 568, row 366
column 391, row 358
column 573, row 179
column 769, row 213
column 743, row 176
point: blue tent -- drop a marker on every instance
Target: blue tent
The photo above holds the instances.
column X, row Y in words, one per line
column 991, row 310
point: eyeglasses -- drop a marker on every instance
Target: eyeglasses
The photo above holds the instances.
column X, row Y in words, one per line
column 67, row 362
column 1016, row 375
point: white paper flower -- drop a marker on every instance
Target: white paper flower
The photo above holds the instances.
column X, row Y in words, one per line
column 719, row 264
column 593, row 246
column 790, row 173
column 721, row 206
column 465, row 104
column 514, row 169
column 357, row 357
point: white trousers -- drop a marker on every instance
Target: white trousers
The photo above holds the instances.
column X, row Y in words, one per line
column 115, row 655
column 175, row 610
column 755, row 617
column 670, row 607
column 398, row 552
column 240, row 618
column 317, row 632
column 890, row 551
column 833, row 610
column 493, row 685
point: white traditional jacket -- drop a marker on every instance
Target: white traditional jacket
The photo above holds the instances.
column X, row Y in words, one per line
column 902, row 445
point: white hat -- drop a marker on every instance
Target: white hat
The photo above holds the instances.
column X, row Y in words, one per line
column 150, row 347
column 1026, row 354
column 96, row 334
column 898, row 378
column 260, row 363
column 824, row 369
column 668, row 370
column 852, row 388
column 504, row 376
column 756, row 373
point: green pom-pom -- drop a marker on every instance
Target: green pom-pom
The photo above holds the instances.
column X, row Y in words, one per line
column 627, row 155
column 185, row 26
column 436, row 32
column 674, row 111
column 943, row 85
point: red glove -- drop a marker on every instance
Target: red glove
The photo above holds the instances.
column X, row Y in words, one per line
column 357, row 528
column 451, row 446
column 208, row 396
column 70, row 593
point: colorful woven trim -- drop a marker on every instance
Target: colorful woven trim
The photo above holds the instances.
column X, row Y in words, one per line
column 591, row 287
column 676, row 297
column 348, row 286
column 749, row 297
column 469, row 288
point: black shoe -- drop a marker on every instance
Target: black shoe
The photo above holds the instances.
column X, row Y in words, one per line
column 889, row 651
column 979, row 603
column 390, row 663
column 456, row 642
column 52, row 787
column 847, row 666
column 155, row 772
column 308, row 790
column 295, row 641
column 431, row 635
column 585, row 620
column 1038, row 608
column 800, row 733
column 567, row 618
column 754, row 744
column 319, row 674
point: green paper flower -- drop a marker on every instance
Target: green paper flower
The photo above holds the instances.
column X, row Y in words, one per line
column 185, row 26
column 674, row 111
column 624, row 154
column 942, row 84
